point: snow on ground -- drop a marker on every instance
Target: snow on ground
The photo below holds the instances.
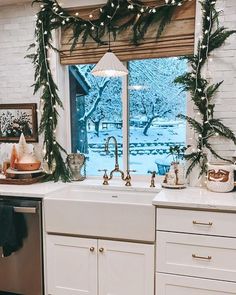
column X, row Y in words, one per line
column 145, row 151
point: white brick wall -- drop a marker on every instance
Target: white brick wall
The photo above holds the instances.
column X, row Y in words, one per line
column 16, row 73
column 223, row 67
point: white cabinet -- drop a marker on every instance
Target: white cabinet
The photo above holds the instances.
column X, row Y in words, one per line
column 196, row 222
column 126, row 268
column 79, row 266
column 196, row 253
column 181, row 285
column 71, row 266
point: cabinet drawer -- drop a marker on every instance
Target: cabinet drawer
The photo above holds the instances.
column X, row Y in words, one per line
column 178, row 285
column 196, row 255
column 199, row 222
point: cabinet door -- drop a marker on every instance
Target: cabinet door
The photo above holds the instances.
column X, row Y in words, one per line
column 71, row 265
column 181, row 285
column 125, row 268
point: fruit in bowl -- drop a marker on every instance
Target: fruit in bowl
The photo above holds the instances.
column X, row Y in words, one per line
column 28, row 166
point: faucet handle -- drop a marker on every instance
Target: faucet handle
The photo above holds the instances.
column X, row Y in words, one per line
column 129, row 170
column 102, row 170
column 154, row 173
column 128, row 173
column 105, row 176
column 128, row 177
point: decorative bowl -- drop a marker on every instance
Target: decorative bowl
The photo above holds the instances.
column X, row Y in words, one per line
column 27, row 166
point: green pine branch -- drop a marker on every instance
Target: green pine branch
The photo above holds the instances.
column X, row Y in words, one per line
column 193, row 123
column 202, row 92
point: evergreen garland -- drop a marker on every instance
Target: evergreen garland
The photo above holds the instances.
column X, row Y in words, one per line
column 202, row 91
column 115, row 16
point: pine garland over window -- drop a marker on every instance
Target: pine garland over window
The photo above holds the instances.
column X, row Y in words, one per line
column 203, row 92
column 117, row 16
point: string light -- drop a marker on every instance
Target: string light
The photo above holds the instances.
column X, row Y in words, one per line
column 131, row 6
column 65, row 18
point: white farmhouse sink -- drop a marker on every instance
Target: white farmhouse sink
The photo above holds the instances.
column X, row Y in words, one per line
column 103, row 213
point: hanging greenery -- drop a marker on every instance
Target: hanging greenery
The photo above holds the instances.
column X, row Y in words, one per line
column 203, row 91
column 115, row 16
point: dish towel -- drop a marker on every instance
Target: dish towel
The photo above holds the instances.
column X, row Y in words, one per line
column 12, row 230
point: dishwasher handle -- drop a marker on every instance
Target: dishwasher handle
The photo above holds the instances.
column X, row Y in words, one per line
column 25, row 210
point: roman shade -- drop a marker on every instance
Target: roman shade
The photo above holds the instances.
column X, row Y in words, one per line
column 177, row 40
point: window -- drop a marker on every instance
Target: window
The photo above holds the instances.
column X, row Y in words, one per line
column 140, row 113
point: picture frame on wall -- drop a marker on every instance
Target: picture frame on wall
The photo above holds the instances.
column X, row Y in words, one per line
column 16, row 119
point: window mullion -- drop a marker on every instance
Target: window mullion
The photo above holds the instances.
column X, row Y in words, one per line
column 125, row 108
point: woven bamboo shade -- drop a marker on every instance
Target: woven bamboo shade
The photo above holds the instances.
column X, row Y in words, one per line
column 177, row 40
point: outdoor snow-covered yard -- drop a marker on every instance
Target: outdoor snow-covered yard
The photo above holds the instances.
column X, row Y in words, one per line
column 144, row 151
column 154, row 102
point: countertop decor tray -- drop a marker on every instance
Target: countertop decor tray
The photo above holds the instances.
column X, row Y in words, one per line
column 21, row 181
column 19, row 178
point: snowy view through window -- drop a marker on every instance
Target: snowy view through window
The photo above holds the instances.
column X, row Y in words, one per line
column 154, row 103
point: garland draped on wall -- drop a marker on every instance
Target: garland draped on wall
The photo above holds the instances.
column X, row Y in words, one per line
column 116, row 16
column 203, row 92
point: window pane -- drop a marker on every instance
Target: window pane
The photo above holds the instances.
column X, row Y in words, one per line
column 96, row 113
column 154, row 102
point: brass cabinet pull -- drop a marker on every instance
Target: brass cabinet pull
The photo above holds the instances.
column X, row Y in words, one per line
column 202, row 223
column 101, row 250
column 92, row 249
column 201, row 257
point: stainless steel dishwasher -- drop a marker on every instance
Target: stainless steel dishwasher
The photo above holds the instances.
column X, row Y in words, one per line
column 22, row 272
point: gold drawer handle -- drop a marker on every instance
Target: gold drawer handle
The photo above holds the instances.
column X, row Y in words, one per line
column 202, row 223
column 201, row 257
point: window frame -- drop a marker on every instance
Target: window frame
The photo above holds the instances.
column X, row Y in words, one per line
column 63, row 132
column 125, row 122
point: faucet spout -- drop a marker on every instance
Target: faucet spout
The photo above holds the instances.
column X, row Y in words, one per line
column 116, row 149
column 117, row 167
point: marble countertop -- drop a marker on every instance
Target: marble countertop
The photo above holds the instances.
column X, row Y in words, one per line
column 38, row 190
column 196, row 198
column 192, row 198
column 41, row 190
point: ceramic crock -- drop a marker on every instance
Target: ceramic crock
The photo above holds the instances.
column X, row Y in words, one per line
column 220, row 178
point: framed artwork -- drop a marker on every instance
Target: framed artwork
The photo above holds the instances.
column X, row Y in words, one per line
column 16, row 119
